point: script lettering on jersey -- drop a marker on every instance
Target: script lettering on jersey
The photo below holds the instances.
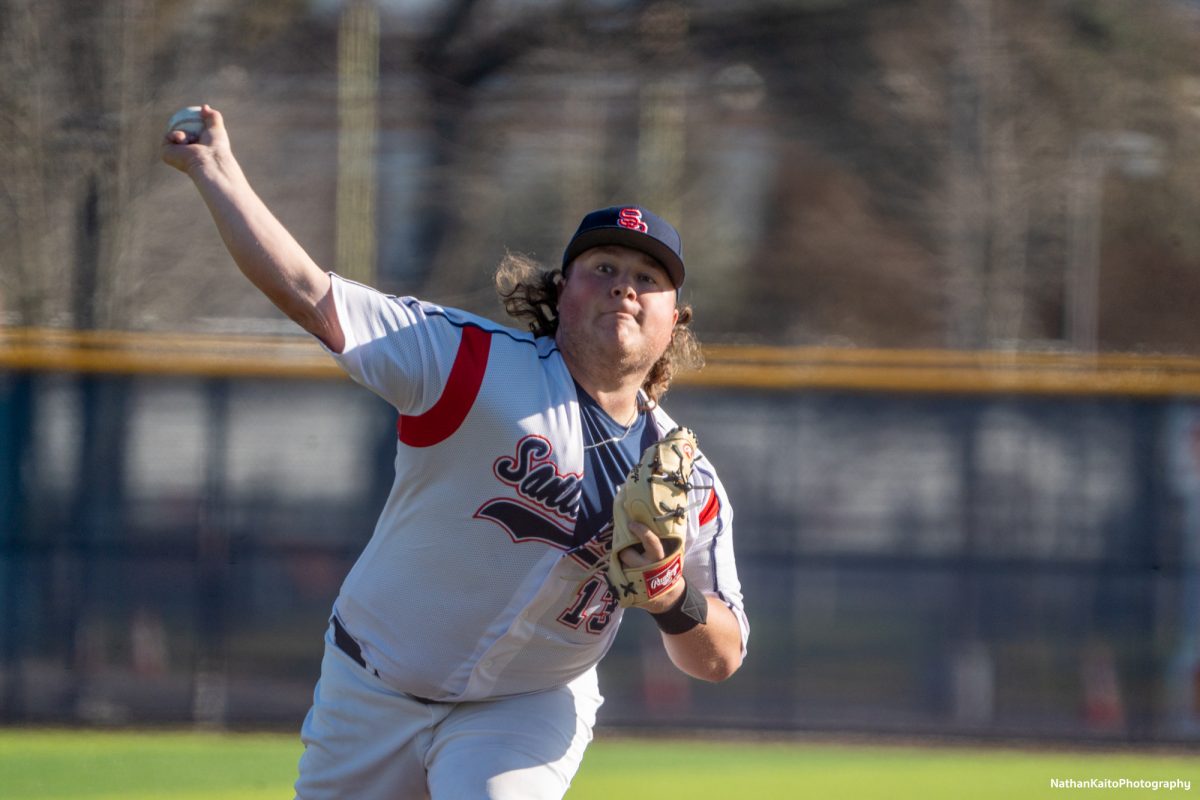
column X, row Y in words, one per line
column 536, row 477
column 547, row 501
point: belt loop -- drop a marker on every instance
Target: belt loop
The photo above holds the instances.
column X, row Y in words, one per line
column 346, row 643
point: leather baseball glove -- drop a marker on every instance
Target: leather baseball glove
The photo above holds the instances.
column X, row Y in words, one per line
column 655, row 494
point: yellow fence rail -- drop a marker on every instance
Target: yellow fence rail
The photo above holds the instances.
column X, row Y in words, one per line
column 728, row 366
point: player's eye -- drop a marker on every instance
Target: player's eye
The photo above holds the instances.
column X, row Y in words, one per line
column 648, row 277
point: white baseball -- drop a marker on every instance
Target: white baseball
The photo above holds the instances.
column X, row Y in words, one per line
column 187, row 120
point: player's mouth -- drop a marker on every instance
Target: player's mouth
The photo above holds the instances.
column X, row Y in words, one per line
column 621, row 318
column 624, row 313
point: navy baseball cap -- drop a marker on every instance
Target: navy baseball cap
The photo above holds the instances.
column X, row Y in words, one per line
column 630, row 226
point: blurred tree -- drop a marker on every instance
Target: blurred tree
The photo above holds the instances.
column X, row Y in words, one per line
column 27, row 163
column 472, row 44
column 959, row 119
column 80, row 86
column 873, row 172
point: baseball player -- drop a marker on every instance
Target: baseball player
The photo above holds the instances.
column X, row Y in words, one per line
column 460, row 660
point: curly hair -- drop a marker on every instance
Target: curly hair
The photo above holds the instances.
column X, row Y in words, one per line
column 529, row 292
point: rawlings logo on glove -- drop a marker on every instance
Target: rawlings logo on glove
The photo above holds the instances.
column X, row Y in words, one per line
column 659, row 581
column 655, row 495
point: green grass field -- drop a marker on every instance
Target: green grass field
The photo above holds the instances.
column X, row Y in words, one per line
column 53, row 765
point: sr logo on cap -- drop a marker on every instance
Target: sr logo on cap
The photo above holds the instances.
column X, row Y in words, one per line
column 632, row 218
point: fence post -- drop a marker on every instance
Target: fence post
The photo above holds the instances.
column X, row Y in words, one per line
column 210, row 678
column 16, row 407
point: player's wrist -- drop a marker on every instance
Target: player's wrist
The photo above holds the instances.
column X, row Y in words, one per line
column 689, row 610
column 667, row 600
column 211, row 165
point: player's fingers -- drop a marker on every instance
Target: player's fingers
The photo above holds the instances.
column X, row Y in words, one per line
column 212, row 118
column 632, row 558
column 652, row 547
column 173, row 151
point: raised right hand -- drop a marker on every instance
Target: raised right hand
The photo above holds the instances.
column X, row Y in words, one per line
column 185, row 152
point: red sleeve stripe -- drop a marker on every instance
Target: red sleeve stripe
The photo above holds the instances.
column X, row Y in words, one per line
column 711, row 508
column 462, row 387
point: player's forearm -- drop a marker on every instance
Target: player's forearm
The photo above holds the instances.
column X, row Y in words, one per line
column 264, row 250
column 712, row 651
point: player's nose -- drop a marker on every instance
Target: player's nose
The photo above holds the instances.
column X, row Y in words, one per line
column 622, row 286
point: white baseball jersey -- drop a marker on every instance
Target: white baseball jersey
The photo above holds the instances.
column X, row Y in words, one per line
column 475, row 583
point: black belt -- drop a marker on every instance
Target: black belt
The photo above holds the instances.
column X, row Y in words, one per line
column 347, row 645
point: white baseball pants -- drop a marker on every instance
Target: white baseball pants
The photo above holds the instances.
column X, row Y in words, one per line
column 365, row 741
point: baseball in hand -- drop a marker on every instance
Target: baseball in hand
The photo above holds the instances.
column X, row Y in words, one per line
column 187, row 120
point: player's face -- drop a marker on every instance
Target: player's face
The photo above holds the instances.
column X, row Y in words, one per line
column 617, row 303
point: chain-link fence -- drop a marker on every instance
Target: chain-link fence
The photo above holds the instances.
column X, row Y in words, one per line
column 991, row 564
